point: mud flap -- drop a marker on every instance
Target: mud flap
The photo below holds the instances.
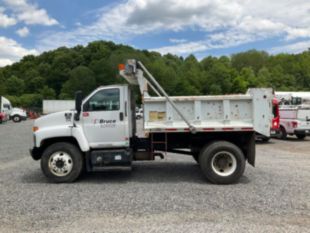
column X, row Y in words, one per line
column 251, row 150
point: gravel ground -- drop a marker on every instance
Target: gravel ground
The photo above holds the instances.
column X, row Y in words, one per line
column 167, row 195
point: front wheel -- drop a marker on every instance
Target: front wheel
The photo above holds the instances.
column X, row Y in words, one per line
column 222, row 162
column 62, row 162
column 16, row 118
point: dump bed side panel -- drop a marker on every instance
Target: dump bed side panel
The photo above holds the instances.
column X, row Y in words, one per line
column 211, row 113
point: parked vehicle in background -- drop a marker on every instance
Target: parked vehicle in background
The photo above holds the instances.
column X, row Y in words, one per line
column 139, row 113
column 275, row 123
column 5, row 105
column 293, row 98
column 294, row 120
column 51, row 106
column 15, row 114
column 217, row 131
column 5, row 109
column 18, row 114
column 3, row 117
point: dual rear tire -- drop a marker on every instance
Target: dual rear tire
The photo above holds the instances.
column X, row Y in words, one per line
column 222, row 162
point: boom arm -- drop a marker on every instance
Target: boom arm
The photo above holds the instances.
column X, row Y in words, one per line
column 135, row 76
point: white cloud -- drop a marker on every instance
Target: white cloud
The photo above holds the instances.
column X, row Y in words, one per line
column 223, row 23
column 177, row 41
column 11, row 51
column 5, row 20
column 292, row 48
column 5, row 62
column 183, row 48
column 30, row 13
column 23, row 32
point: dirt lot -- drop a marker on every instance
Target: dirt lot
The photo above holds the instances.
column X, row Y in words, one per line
column 169, row 195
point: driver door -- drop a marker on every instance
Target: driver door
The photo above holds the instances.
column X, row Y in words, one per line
column 104, row 118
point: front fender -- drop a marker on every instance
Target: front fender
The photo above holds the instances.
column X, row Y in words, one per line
column 78, row 134
column 59, row 132
column 51, row 132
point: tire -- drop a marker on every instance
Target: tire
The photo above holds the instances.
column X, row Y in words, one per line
column 282, row 133
column 301, row 136
column 16, row 118
column 231, row 157
column 62, row 162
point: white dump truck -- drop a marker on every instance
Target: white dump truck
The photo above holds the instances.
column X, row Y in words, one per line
column 294, row 120
column 100, row 134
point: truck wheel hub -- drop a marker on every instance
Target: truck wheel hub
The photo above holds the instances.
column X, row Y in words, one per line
column 60, row 163
column 224, row 163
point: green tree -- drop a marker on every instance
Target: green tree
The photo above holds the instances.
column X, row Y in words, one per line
column 81, row 78
column 252, row 58
column 48, row 93
column 15, row 86
column 2, row 84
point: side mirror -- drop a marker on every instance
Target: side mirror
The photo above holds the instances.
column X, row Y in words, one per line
column 78, row 104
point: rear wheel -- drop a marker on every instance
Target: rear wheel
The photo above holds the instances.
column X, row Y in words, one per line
column 222, row 162
column 301, row 136
column 282, row 133
column 62, row 162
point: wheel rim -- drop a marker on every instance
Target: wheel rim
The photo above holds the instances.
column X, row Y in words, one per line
column 16, row 118
column 60, row 163
column 224, row 163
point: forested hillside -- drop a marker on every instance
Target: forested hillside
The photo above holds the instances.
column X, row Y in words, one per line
column 59, row 73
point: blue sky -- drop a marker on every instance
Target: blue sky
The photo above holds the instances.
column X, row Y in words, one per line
column 181, row 27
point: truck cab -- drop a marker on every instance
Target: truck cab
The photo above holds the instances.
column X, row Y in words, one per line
column 101, row 126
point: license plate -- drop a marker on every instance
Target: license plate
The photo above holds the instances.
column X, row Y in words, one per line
column 272, row 132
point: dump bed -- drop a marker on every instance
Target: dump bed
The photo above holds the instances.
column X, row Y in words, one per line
column 250, row 112
column 164, row 113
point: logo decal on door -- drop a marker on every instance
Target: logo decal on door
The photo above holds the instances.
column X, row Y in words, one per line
column 105, row 123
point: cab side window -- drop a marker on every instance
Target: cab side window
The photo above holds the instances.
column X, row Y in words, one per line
column 104, row 100
column 7, row 106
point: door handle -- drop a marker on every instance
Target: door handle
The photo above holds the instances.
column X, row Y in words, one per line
column 121, row 116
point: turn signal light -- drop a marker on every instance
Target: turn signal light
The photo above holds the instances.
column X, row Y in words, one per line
column 35, row 128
